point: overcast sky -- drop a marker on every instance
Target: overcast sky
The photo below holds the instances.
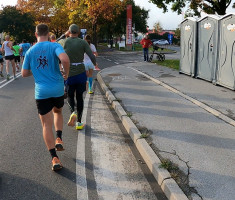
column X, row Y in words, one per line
column 168, row 20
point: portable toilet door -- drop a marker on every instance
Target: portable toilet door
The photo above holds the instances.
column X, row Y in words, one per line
column 188, row 38
column 226, row 52
column 207, row 47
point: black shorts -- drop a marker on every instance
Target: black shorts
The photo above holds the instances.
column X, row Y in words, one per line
column 46, row 105
column 17, row 58
column 11, row 57
column 1, row 60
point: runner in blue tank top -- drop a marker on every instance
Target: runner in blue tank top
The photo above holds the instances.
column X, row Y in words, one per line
column 42, row 61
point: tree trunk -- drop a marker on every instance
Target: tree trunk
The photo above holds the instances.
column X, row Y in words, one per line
column 94, row 35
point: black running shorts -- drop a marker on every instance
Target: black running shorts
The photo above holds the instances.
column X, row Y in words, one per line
column 17, row 58
column 1, row 60
column 11, row 57
column 46, row 105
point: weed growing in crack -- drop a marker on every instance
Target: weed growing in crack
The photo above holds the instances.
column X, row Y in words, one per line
column 170, row 166
column 129, row 114
column 144, row 135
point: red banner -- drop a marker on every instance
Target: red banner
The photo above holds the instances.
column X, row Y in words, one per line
column 129, row 25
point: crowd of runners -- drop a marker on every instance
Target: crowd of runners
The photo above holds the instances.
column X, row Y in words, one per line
column 62, row 69
column 14, row 54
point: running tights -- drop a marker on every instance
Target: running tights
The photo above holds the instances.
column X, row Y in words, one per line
column 78, row 89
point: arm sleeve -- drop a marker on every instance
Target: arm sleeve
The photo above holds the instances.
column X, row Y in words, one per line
column 88, row 51
column 26, row 63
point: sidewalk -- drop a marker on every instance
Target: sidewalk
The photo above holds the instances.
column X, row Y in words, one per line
column 190, row 121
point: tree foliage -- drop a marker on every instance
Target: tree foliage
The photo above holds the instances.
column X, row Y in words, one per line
column 97, row 16
column 158, row 27
column 17, row 24
column 209, row 6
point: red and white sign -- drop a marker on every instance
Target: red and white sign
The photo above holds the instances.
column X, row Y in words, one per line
column 129, row 25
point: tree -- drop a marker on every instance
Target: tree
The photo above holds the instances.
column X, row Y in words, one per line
column 17, row 24
column 99, row 12
column 118, row 25
column 41, row 10
column 158, row 27
column 208, row 6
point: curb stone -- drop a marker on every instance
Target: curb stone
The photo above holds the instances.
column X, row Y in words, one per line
column 167, row 184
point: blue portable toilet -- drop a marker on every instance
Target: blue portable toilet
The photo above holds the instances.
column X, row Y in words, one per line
column 188, row 46
column 208, row 33
column 226, row 52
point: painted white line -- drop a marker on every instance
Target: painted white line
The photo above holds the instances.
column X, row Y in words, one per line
column 3, row 81
column 196, row 102
column 116, row 63
column 108, row 59
column 81, row 182
column 17, row 75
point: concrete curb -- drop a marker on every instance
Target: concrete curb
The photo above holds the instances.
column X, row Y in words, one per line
column 168, row 185
column 198, row 103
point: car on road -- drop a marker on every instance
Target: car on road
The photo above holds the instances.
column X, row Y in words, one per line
column 161, row 42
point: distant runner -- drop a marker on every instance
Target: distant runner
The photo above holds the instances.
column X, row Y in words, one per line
column 42, row 61
column 1, row 62
column 9, row 56
column 76, row 83
column 17, row 56
column 88, row 64
column 24, row 47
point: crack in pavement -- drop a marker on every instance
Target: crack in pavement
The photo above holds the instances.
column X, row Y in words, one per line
column 178, row 174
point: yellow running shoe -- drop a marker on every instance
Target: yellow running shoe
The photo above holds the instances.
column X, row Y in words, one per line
column 79, row 126
column 72, row 119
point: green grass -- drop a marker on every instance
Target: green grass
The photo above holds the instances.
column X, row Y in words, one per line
column 174, row 64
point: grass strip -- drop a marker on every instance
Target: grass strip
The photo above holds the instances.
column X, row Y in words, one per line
column 174, row 64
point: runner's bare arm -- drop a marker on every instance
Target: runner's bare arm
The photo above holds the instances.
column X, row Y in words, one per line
column 66, row 64
column 26, row 73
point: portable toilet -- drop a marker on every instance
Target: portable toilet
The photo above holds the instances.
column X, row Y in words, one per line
column 188, row 31
column 226, row 52
column 207, row 42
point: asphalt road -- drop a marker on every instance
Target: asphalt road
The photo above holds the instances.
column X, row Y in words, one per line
column 100, row 162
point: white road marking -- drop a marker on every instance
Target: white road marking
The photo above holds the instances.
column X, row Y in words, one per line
column 81, row 182
column 17, row 75
column 116, row 63
column 3, row 81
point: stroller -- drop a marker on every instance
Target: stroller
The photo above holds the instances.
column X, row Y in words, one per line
column 160, row 56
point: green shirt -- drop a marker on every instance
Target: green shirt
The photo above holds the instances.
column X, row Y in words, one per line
column 75, row 49
column 17, row 50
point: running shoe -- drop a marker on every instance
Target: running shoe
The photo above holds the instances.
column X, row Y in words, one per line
column 8, row 77
column 1, row 74
column 79, row 126
column 14, row 77
column 91, row 92
column 72, row 119
column 59, row 144
column 56, row 164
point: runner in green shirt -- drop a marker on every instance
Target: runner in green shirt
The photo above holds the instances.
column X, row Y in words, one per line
column 17, row 56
